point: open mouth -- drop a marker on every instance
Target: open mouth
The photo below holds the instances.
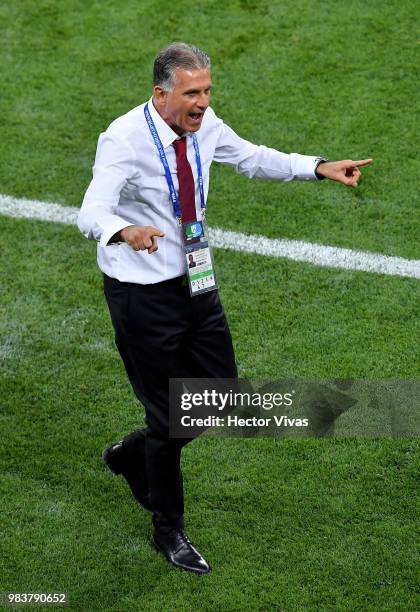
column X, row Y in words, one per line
column 196, row 117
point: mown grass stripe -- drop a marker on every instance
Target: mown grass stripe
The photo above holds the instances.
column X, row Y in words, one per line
column 297, row 250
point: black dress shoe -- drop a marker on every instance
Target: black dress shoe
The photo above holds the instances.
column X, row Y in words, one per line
column 118, row 462
column 179, row 551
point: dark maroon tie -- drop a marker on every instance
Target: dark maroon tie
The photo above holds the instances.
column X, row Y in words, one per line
column 186, row 181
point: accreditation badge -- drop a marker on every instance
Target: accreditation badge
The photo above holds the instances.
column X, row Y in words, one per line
column 198, row 258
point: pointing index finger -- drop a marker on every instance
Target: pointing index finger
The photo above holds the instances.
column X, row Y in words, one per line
column 362, row 162
column 154, row 231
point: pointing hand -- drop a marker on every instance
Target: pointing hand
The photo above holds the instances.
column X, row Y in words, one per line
column 141, row 238
column 345, row 171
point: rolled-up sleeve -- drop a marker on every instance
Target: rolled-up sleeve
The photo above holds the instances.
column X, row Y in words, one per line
column 258, row 161
column 97, row 219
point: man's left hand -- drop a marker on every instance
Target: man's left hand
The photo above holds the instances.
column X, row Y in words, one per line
column 344, row 171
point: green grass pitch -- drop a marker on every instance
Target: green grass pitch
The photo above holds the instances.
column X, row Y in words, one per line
column 293, row 525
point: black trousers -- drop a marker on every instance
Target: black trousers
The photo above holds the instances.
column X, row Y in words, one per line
column 162, row 332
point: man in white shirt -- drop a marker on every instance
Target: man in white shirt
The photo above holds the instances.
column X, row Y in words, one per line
column 152, row 165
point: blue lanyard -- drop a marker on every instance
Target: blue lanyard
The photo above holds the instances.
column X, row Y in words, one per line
column 163, row 159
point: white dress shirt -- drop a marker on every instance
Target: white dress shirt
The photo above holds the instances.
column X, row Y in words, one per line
column 129, row 188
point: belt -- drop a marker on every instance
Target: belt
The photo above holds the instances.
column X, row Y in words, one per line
column 178, row 281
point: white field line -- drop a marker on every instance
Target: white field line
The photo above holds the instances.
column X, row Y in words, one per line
column 296, row 250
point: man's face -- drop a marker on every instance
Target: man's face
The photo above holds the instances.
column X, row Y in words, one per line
column 184, row 106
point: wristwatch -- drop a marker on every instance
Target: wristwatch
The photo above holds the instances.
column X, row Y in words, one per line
column 319, row 160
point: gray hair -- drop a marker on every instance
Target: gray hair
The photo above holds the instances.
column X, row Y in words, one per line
column 177, row 55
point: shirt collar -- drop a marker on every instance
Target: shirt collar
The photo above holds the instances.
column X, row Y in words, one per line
column 166, row 133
